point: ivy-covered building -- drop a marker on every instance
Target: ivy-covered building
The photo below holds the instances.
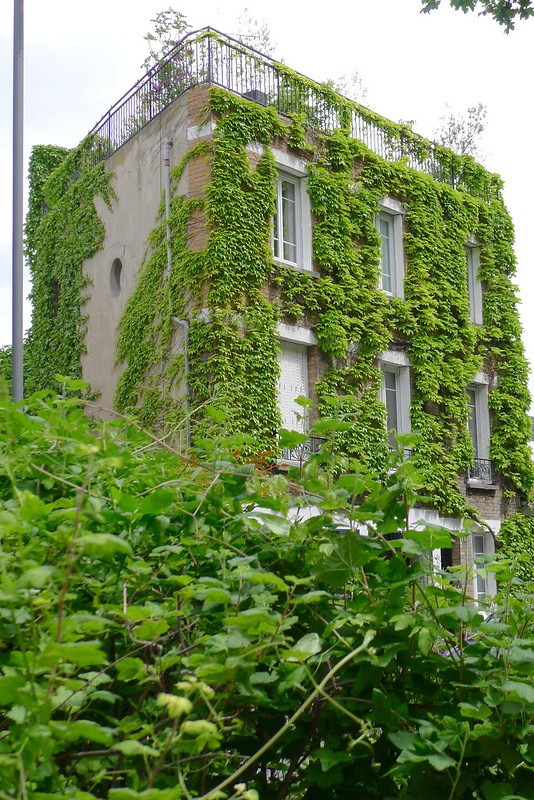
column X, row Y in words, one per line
column 233, row 233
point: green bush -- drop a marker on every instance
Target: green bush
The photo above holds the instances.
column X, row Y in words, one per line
column 175, row 628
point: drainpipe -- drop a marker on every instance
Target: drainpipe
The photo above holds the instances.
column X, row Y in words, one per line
column 184, row 325
column 167, row 184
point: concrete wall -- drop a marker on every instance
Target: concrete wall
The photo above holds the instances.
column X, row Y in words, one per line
column 138, row 180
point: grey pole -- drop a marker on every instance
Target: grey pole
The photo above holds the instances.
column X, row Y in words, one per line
column 18, row 177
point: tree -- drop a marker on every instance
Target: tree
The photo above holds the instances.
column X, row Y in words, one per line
column 350, row 86
column 505, row 12
column 6, row 363
column 462, row 132
column 170, row 27
column 255, row 33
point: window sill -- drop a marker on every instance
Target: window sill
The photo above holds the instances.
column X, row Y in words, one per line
column 289, row 265
column 480, row 485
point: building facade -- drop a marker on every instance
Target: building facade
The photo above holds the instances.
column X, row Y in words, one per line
column 251, row 237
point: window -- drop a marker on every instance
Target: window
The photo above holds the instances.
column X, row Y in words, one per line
column 479, row 429
column 293, row 383
column 291, row 238
column 115, row 277
column 389, row 226
column 391, row 400
column 387, row 253
column 286, row 226
column 474, row 286
column 473, row 421
column 483, row 549
column 478, row 551
column 478, row 420
column 395, row 394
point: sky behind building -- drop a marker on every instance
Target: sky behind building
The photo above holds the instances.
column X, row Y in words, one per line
column 80, row 59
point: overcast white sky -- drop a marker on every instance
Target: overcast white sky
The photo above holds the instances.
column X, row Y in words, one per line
column 80, row 58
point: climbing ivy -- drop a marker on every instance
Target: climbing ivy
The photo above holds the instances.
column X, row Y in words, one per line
column 62, row 231
column 220, row 289
column 233, row 352
column 516, row 542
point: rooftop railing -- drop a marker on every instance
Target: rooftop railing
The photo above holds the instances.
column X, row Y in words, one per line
column 210, row 57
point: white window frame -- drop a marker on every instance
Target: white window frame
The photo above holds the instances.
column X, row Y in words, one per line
column 392, row 212
column 474, row 285
column 280, row 219
column 482, row 544
column 303, row 337
column 295, row 170
column 398, row 364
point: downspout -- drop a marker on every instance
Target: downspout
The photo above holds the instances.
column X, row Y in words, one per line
column 167, row 185
column 184, row 325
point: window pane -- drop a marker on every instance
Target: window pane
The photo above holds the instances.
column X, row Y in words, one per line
column 470, row 281
column 276, row 240
column 390, row 392
column 289, row 220
column 478, row 545
column 386, row 257
column 472, row 422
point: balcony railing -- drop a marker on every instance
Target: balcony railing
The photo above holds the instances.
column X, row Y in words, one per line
column 302, row 452
column 482, row 471
column 208, row 56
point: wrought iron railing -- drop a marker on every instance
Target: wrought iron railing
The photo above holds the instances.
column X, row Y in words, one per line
column 208, row 56
column 482, row 471
column 302, row 452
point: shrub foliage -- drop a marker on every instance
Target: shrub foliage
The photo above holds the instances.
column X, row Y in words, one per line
column 175, row 628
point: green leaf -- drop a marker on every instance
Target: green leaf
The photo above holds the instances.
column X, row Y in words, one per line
column 36, row 578
column 404, row 740
column 8, row 688
column 103, row 545
column 523, row 656
column 156, row 502
column 500, row 791
column 290, row 439
column 130, row 669
column 263, row 677
column 148, row 794
column 425, row 641
column 525, row 691
column 430, row 537
column 276, row 524
column 84, row 729
column 308, row 645
column 267, row 578
column 441, row 761
column 150, row 630
column 309, row 597
column 349, row 554
column 325, row 426
column 131, row 747
column 17, row 714
column 83, row 654
column 329, row 758
column 480, row 711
